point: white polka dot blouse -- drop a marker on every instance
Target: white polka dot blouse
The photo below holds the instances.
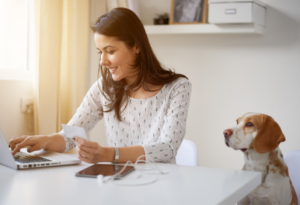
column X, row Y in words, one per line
column 157, row 123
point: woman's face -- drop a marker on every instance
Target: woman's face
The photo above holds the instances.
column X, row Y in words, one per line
column 116, row 57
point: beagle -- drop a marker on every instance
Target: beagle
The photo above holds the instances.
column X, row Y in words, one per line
column 258, row 137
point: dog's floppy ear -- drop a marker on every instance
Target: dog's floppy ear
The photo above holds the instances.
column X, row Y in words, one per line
column 268, row 137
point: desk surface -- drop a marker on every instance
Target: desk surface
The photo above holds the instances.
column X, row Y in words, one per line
column 182, row 185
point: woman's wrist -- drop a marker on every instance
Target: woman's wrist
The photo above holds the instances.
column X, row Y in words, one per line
column 54, row 142
column 108, row 154
column 47, row 140
column 125, row 154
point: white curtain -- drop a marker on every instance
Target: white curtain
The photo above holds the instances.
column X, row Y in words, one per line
column 61, row 48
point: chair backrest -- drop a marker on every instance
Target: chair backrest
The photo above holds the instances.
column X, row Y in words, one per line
column 187, row 154
column 292, row 160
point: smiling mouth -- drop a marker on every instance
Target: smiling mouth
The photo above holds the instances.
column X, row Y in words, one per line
column 112, row 70
column 244, row 149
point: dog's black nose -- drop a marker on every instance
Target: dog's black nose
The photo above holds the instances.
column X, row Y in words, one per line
column 227, row 133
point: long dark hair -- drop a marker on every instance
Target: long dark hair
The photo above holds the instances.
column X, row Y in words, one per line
column 125, row 26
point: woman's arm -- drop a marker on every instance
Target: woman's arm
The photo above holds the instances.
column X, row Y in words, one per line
column 54, row 142
column 92, row 152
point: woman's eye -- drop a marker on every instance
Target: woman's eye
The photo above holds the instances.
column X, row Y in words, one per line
column 110, row 52
column 249, row 124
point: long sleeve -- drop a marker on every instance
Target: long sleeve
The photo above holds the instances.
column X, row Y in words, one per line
column 87, row 115
column 174, row 127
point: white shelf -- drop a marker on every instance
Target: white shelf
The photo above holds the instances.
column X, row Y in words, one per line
column 205, row 29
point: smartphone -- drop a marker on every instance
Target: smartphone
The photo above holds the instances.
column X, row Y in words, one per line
column 105, row 170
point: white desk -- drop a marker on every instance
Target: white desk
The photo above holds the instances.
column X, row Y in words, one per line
column 183, row 185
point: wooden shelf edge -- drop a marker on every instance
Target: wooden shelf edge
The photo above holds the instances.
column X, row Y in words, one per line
column 205, row 29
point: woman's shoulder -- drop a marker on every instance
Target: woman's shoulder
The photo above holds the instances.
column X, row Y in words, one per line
column 179, row 82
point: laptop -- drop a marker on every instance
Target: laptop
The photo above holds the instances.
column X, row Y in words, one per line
column 37, row 159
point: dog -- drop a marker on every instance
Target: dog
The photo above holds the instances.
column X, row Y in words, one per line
column 258, row 136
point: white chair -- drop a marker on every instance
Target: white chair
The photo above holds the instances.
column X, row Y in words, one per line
column 187, row 154
column 292, row 160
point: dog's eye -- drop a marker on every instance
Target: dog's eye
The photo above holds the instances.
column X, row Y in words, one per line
column 249, row 124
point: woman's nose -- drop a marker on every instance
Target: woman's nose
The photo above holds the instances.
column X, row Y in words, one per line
column 103, row 60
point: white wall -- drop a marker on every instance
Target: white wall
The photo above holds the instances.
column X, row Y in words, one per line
column 13, row 123
column 232, row 75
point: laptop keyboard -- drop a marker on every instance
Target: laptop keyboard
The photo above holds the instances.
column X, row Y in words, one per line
column 27, row 158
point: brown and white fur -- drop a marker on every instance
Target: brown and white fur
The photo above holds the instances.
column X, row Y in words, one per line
column 258, row 137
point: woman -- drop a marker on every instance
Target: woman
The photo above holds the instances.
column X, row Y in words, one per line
column 144, row 106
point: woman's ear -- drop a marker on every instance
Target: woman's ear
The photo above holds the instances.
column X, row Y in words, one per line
column 136, row 48
column 268, row 137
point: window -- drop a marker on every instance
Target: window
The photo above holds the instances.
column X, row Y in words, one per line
column 14, row 40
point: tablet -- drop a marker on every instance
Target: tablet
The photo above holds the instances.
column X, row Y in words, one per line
column 105, row 170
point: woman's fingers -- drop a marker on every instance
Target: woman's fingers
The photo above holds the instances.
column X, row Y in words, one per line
column 26, row 142
column 85, row 142
column 87, row 151
column 84, row 159
column 84, row 154
column 16, row 140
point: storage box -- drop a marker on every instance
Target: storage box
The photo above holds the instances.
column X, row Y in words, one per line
column 238, row 11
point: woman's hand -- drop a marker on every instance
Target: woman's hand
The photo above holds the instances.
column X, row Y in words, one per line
column 90, row 152
column 36, row 142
